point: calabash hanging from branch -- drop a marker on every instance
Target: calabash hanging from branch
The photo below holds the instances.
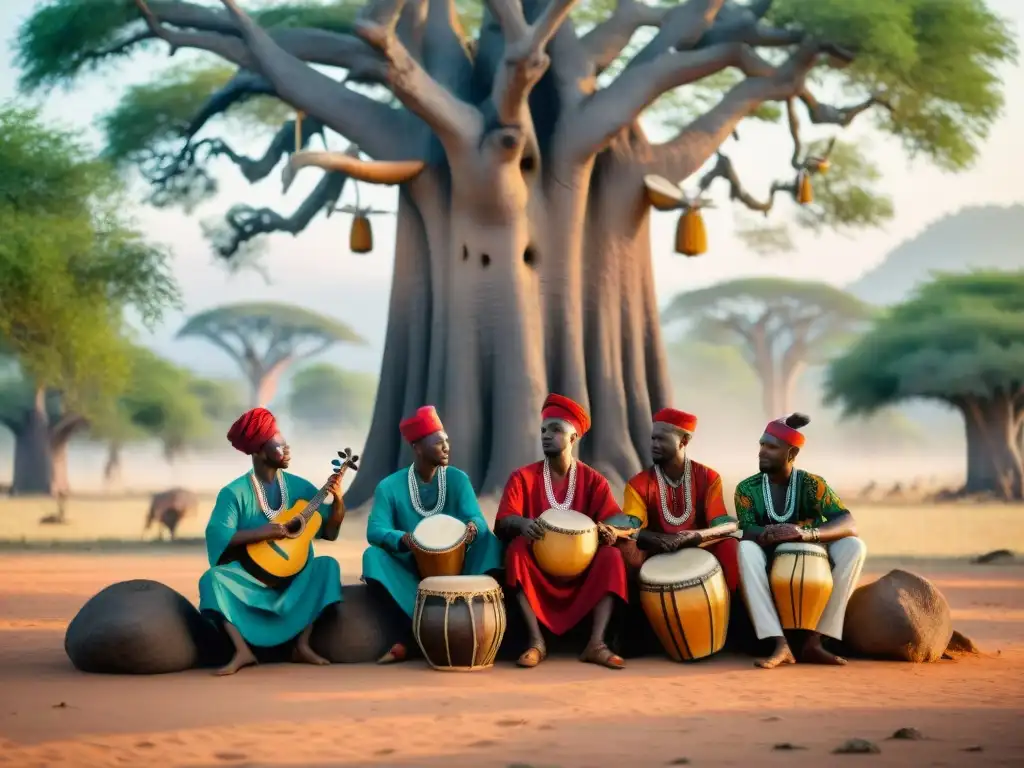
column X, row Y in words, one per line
column 811, row 165
column 691, row 232
column 360, row 238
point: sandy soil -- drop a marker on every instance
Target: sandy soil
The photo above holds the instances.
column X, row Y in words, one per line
column 720, row 712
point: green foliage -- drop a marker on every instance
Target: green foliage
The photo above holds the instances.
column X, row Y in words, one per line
column 70, row 264
column 937, row 61
column 959, row 336
column 325, row 397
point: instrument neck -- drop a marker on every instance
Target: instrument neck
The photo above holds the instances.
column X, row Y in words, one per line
column 315, row 502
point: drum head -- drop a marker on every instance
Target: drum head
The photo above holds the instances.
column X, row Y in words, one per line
column 438, row 532
column 567, row 520
column 804, row 547
column 459, row 584
column 677, row 567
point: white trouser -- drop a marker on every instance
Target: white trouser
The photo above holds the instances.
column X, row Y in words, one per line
column 847, row 556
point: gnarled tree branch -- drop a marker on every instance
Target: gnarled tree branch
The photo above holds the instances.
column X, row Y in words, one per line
column 724, row 169
column 826, row 114
column 606, row 41
column 681, row 29
column 379, row 172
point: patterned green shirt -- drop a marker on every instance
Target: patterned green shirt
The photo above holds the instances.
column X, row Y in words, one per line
column 816, row 502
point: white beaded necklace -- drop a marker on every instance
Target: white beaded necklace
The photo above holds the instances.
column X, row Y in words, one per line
column 549, row 491
column 414, row 491
column 261, row 495
column 769, row 505
column 664, row 483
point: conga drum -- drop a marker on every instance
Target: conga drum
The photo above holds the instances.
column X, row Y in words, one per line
column 569, row 543
column 686, row 600
column 459, row 622
column 801, row 580
column 439, row 546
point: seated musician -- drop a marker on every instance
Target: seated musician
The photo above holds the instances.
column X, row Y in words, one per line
column 678, row 502
column 561, row 482
column 784, row 504
column 251, row 612
column 428, row 486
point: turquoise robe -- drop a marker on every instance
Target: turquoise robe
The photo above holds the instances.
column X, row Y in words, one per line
column 393, row 515
column 264, row 616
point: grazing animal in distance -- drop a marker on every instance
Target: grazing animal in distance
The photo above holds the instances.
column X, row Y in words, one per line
column 169, row 508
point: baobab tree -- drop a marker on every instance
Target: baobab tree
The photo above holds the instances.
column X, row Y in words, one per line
column 780, row 325
column 522, row 260
column 265, row 338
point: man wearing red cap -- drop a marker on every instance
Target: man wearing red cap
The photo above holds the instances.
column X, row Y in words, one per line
column 561, row 482
column 678, row 502
column 429, row 486
column 252, row 613
column 784, row 504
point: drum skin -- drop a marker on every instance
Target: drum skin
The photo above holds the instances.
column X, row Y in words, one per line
column 687, row 604
column 436, row 558
column 459, row 622
column 569, row 544
column 801, row 581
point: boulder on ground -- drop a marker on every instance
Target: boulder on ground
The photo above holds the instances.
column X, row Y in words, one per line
column 140, row 627
column 357, row 630
column 901, row 617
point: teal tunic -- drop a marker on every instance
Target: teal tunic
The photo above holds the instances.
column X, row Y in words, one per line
column 264, row 616
column 393, row 516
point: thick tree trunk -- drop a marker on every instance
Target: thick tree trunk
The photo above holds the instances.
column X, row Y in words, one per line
column 994, row 462
column 33, row 456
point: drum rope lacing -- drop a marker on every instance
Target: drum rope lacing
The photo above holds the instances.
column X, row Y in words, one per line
column 769, row 504
column 414, row 491
column 261, row 495
column 663, row 485
column 549, row 490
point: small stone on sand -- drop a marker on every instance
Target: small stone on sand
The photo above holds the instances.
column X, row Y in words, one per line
column 857, row 747
column 679, row 761
column 908, row 734
column 975, row 748
column 787, row 747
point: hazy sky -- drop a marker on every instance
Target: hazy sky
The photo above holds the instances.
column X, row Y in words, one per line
column 316, row 267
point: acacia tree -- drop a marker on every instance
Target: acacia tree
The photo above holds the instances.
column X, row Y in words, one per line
column 522, row 259
column 780, row 325
column 960, row 341
column 70, row 264
column 324, row 396
column 265, row 338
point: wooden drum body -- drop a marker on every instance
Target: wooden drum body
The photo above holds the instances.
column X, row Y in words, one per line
column 801, row 580
column 569, row 544
column 686, row 599
column 459, row 622
column 439, row 546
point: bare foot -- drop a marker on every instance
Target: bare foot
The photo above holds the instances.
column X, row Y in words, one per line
column 303, row 654
column 397, row 653
column 781, row 655
column 239, row 660
column 814, row 653
column 533, row 656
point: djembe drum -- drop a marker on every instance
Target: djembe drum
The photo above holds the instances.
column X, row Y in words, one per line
column 686, row 599
column 801, row 581
column 459, row 622
column 439, row 546
column 569, row 543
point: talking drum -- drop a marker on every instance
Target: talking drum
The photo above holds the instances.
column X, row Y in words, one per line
column 801, row 579
column 459, row 621
column 439, row 546
column 686, row 600
column 569, row 543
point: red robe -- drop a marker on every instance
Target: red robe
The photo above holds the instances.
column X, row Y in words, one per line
column 643, row 502
column 560, row 604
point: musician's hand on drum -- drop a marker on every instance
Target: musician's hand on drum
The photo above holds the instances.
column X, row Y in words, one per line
column 405, row 544
column 533, row 530
column 606, row 533
column 660, row 543
column 686, row 539
column 782, row 534
column 471, row 533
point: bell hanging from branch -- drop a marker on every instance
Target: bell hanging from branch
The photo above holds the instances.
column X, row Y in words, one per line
column 691, row 234
column 360, row 239
column 299, row 114
column 804, row 190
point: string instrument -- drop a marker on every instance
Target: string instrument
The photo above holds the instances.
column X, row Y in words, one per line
column 276, row 561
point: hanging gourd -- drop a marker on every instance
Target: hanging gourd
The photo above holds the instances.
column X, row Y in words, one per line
column 691, row 234
column 298, row 129
column 360, row 239
column 824, row 165
column 805, row 192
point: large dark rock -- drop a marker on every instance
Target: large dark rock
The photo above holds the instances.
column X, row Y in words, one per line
column 141, row 627
column 357, row 630
column 901, row 617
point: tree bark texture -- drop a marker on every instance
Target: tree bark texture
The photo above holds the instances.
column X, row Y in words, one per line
column 994, row 460
column 522, row 260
